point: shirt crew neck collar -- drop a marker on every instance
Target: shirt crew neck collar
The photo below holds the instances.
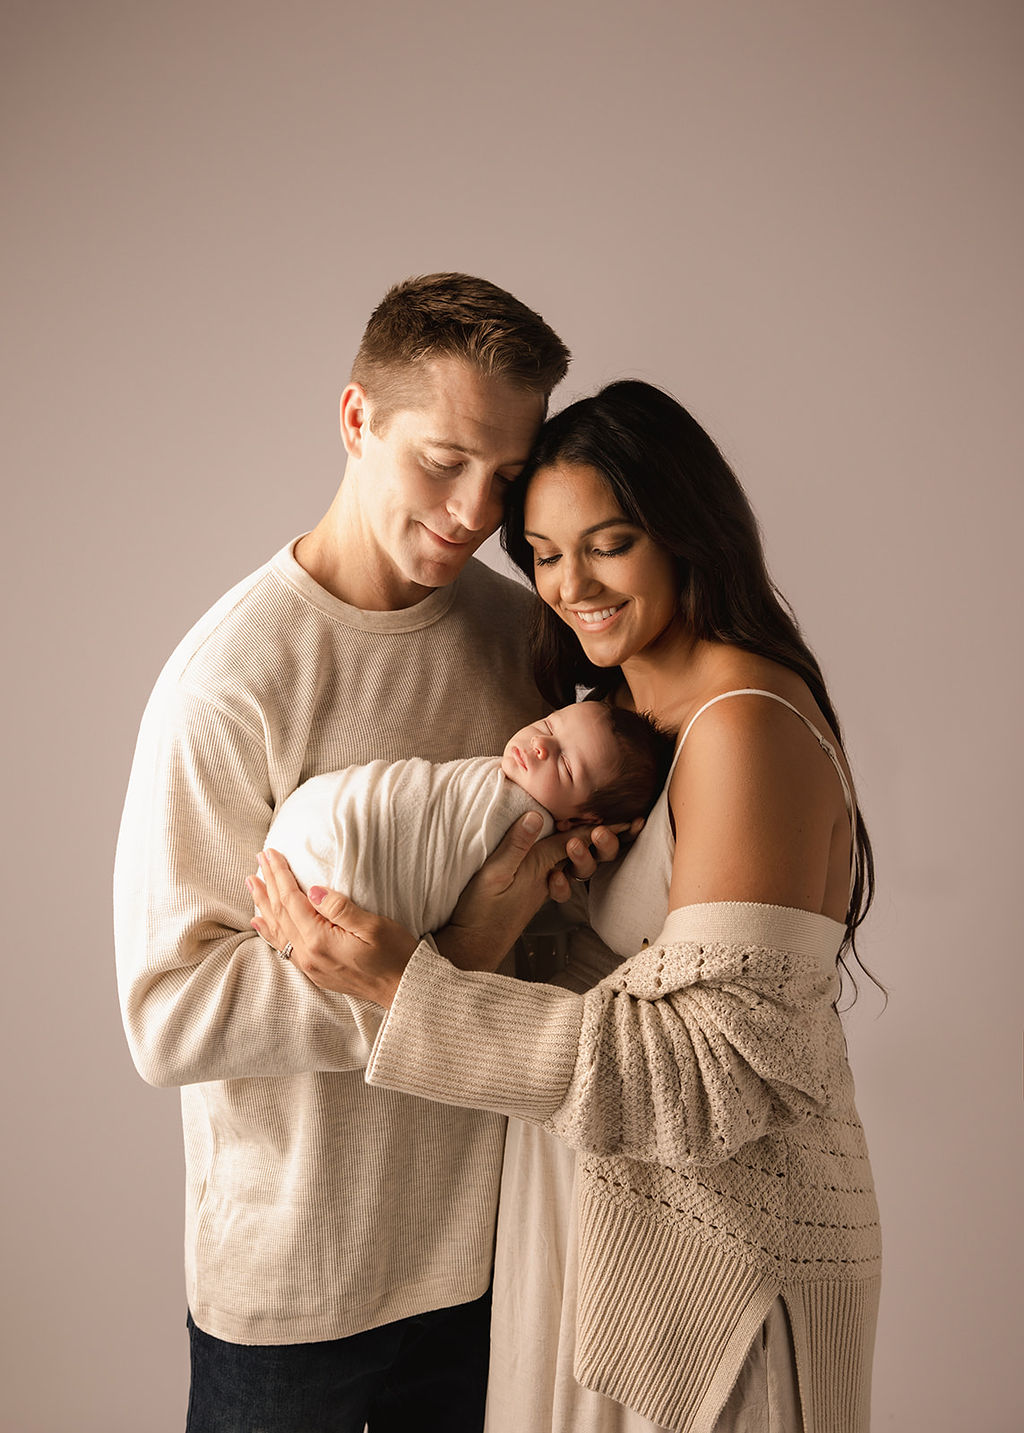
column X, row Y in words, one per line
column 403, row 619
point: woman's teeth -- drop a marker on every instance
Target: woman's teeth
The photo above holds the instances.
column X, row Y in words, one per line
column 600, row 614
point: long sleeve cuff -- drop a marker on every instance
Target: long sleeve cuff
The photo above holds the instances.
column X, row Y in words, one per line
column 470, row 1038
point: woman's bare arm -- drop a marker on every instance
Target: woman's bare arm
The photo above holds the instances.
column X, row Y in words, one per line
column 755, row 802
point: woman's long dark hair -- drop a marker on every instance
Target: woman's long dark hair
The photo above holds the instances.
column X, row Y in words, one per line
column 669, row 478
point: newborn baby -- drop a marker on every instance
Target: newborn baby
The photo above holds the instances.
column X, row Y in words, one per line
column 404, row 837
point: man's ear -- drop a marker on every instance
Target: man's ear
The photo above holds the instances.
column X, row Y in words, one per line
column 354, row 415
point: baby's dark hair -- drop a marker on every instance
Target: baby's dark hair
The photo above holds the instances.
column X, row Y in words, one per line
column 646, row 749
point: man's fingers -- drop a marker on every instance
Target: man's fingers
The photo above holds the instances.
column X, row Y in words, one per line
column 583, row 863
column 506, row 858
column 524, row 832
column 559, row 888
column 605, row 843
column 586, row 847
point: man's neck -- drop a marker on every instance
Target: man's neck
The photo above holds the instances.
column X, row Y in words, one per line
column 341, row 559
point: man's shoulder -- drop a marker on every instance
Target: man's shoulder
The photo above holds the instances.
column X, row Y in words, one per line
column 492, row 607
column 249, row 652
column 238, row 624
column 494, row 615
column 269, row 640
column 480, row 581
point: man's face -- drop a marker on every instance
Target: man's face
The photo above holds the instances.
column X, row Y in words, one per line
column 425, row 493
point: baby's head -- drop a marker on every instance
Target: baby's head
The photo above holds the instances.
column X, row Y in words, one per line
column 591, row 762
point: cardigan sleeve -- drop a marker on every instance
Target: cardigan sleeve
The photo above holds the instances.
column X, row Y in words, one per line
column 202, row 996
column 683, row 1054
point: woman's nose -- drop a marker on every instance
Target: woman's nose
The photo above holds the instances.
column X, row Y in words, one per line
column 576, row 582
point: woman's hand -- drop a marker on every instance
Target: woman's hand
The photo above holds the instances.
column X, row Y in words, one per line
column 512, row 885
column 334, row 942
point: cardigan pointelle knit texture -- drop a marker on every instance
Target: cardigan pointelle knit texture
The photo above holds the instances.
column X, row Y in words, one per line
column 705, row 1084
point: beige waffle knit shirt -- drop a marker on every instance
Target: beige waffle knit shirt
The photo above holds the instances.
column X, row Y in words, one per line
column 316, row 1206
column 705, row 1084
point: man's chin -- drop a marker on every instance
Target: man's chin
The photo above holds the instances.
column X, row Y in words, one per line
column 438, row 568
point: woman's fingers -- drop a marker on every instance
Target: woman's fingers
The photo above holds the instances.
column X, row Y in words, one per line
column 337, row 944
column 267, row 921
column 341, row 911
column 312, row 920
column 258, row 891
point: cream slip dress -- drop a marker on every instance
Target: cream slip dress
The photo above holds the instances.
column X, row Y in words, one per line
column 531, row 1388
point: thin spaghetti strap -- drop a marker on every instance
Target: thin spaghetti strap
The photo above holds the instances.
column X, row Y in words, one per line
column 826, row 746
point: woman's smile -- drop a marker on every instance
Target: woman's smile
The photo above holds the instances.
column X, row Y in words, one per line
column 596, row 618
column 604, row 575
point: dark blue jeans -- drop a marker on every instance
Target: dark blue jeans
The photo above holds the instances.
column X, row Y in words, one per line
column 424, row 1372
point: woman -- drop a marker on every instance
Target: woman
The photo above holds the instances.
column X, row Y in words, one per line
column 700, row 1241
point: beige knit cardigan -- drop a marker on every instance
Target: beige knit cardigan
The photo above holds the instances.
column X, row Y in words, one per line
column 706, row 1087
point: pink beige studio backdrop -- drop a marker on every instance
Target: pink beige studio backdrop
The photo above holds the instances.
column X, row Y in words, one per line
column 805, row 220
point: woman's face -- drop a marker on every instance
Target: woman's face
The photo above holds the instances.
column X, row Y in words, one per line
column 604, row 576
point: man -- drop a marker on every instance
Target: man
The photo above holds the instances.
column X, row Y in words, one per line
column 338, row 1238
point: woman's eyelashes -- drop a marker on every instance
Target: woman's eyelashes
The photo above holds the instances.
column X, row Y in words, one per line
column 546, row 559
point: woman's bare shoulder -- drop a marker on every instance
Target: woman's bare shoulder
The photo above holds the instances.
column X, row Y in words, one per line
column 754, row 799
column 750, row 738
column 740, row 677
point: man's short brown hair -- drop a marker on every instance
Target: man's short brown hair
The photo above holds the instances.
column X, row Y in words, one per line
column 453, row 316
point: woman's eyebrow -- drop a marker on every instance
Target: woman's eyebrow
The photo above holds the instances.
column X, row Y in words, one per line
column 597, row 526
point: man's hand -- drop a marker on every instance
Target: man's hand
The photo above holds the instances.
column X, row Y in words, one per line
column 584, row 861
column 512, row 885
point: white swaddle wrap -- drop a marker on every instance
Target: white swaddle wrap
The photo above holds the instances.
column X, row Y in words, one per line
column 401, row 838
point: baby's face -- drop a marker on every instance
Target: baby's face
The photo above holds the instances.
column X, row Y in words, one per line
column 562, row 759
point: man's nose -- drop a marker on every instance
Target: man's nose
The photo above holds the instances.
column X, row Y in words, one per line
column 474, row 504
